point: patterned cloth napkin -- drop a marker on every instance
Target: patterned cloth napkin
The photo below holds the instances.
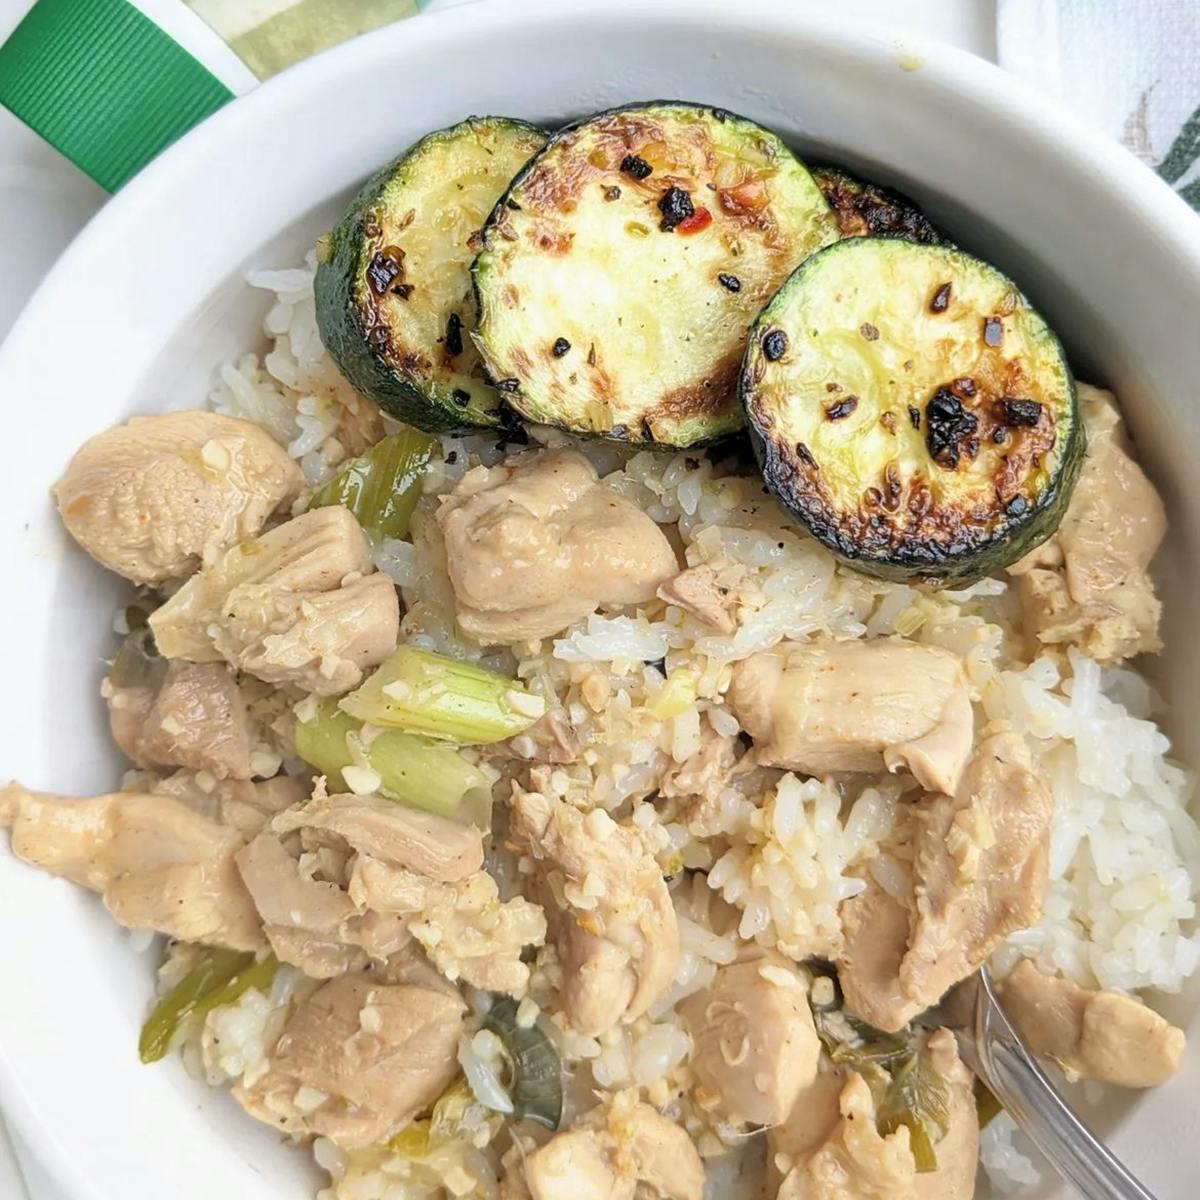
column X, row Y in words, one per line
column 1132, row 67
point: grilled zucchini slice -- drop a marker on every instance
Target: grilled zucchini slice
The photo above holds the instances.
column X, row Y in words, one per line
column 865, row 209
column 394, row 301
column 619, row 275
column 912, row 410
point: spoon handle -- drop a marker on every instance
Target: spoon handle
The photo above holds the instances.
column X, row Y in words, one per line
column 1033, row 1102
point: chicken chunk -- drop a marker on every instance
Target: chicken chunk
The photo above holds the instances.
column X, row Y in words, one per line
column 539, row 543
column 968, row 871
column 237, row 804
column 813, row 1117
column 1092, row 1035
column 700, row 779
column 610, row 1151
column 1089, row 586
column 196, row 719
column 157, row 863
column 755, row 1048
column 422, row 842
column 610, row 914
column 818, row 707
column 295, row 607
column 156, row 498
column 468, row 932
column 358, row 1060
column 311, row 922
column 699, row 592
column 855, row 1162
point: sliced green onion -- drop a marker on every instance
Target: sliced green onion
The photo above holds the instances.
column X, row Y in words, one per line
column 219, row 978
column 917, row 1097
column 421, row 692
column 536, row 1087
column 383, row 486
column 412, row 770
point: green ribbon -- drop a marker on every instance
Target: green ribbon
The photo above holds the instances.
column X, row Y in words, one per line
column 104, row 85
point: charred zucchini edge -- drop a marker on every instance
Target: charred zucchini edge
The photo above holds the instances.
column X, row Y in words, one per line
column 867, row 209
column 785, row 469
column 730, row 423
column 344, row 329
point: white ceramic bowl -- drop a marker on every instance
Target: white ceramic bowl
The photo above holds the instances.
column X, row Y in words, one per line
column 149, row 298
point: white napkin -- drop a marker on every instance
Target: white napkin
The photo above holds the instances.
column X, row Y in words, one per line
column 1131, row 67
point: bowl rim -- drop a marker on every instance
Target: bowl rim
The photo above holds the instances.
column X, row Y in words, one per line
column 1119, row 175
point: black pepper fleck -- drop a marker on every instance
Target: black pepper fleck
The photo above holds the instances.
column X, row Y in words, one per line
column 676, row 206
column 454, row 342
column 635, row 166
column 730, row 282
column 507, row 385
column 993, row 331
column 805, row 456
column 869, row 331
column 941, row 299
column 612, row 193
column 949, row 424
column 452, row 458
column 461, row 398
column 592, row 355
column 513, row 205
column 720, row 114
column 841, row 408
column 775, row 345
column 560, row 347
column 403, row 290
column 914, row 416
column 999, row 435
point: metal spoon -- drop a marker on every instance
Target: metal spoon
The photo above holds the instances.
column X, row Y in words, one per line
column 992, row 1048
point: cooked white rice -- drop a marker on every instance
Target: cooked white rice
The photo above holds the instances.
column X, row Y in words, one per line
column 1125, row 854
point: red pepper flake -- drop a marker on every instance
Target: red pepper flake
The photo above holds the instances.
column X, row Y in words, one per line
column 993, row 331
column 941, row 299
column 700, row 219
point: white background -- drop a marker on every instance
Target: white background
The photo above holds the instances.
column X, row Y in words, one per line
column 45, row 201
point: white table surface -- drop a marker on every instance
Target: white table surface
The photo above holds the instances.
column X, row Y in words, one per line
column 45, row 201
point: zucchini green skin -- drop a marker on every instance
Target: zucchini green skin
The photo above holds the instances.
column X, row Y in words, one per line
column 912, row 410
column 864, row 209
column 621, row 270
column 396, row 275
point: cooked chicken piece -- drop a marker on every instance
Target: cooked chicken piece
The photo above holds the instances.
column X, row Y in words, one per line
column 310, row 922
column 466, row 929
column 157, row 864
column 294, row 607
column 612, row 1149
column 1088, row 585
column 237, row 804
column 422, row 842
column 855, row 1162
column 197, row 719
column 978, row 872
column 156, row 498
column 700, row 779
column 548, row 740
column 755, row 1048
column 957, row 1150
column 1092, row 1035
column 358, row 1060
column 539, row 543
column 813, row 1117
column 981, row 868
column 698, row 592
column 818, row 707
column 610, row 913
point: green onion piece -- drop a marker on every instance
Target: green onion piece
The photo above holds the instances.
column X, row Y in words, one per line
column 412, row 770
column 383, row 486
column 443, row 698
column 987, row 1107
column 917, row 1097
column 220, row 977
column 536, row 1086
